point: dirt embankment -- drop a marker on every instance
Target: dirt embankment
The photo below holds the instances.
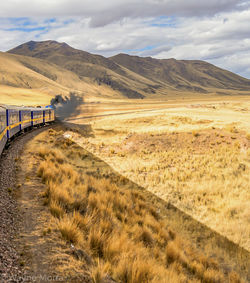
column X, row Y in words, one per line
column 10, row 217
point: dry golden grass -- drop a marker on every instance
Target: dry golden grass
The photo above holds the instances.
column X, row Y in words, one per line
column 121, row 230
column 196, row 156
column 99, row 272
column 70, row 230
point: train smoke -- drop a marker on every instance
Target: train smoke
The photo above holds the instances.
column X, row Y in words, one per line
column 68, row 106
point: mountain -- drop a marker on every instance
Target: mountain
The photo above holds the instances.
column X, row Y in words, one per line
column 137, row 77
column 99, row 69
column 183, row 74
column 26, row 80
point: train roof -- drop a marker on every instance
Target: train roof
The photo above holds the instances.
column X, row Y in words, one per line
column 5, row 106
column 14, row 107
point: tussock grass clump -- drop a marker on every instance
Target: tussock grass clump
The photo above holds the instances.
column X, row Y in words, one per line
column 69, row 230
column 172, row 253
column 56, row 209
column 125, row 235
column 145, row 236
column 52, row 153
column 99, row 272
column 134, row 270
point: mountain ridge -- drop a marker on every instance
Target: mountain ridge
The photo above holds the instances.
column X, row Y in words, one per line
column 134, row 76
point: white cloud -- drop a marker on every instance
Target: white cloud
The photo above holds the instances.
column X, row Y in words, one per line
column 104, row 12
column 216, row 31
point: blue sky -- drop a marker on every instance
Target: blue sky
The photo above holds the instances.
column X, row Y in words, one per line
column 28, row 24
column 163, row 22
column 216, row 31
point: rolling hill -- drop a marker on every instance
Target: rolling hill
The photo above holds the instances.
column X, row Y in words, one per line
column 32, row 81
column 183, row 74
column 58, row 67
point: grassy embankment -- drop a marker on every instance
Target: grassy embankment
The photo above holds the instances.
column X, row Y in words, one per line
column 121, row 232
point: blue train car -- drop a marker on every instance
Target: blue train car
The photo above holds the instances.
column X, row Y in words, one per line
column 3, row 128
column 13, row 121
column 49, row 115
column 37, row 116
column 25, row 118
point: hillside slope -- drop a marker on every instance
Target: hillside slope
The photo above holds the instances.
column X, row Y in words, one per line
column 137, row 77
column 183, row 74
column 26, row 80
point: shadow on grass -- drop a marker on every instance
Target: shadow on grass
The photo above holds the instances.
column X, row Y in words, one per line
column 83, row 130
column 209, row 242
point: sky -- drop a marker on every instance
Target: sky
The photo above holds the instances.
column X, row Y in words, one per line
column 217, row 31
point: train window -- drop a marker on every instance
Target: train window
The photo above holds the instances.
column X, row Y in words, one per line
column 26, row 116
column 14, row 118
column 38, row 114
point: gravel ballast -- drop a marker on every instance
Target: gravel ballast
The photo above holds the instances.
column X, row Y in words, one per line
column 10, row 220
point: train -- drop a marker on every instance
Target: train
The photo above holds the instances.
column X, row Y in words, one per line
column 15, row 120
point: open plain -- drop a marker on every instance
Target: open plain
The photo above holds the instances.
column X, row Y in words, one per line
column 193, row 154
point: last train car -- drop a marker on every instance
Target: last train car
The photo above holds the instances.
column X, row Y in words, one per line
column 49, row 115
column 3, row 128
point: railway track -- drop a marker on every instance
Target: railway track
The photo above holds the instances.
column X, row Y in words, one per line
column 10, row 268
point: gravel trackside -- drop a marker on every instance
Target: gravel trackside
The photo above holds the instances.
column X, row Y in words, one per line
column 10, row 220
